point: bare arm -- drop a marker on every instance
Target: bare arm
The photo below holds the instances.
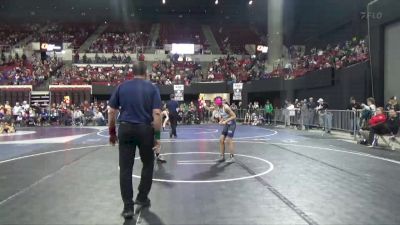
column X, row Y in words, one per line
column 112, row 114
column 157, row 119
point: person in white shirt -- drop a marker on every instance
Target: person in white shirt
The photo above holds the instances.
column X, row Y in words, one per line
column 291, row 113
column 32, row 117
column 233, row 77
column 16, row 110
column 25, row 106
column 210, row 77
column 254, row 119
column 256, row 106
column 99, row 118
column 78, row 117
column 178, row 77
column 247, row 118
column 368, row 111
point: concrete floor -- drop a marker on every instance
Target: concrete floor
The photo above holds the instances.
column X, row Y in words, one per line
column 70, row 176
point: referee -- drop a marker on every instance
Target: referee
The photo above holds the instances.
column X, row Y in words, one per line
column 139, row 104
column 172, row 107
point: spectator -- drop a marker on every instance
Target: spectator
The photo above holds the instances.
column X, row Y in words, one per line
column 119, row 42
column 392, row 104
column 303, row 114
column 7, row 110
column 376, row 126
column 25, row 106
column 367, row 112
column 325, row 117
column 354, row 106
column 16, row 110
column 289, row 113
column 311, row 105
column 247, row 118
column 234, row 107
column 269, row 109
column 393, row 123
column 77, row 117
column 99, row 119
column 2, row 112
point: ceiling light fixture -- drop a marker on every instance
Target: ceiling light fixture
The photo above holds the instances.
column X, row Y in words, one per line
column 251, row 2
column 216, row 2
column 163, row 2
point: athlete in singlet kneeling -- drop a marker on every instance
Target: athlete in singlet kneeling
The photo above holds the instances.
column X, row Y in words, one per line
column 228, row 119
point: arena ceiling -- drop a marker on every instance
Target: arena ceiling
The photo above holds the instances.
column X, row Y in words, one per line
column 126, row 8
column 302, row 18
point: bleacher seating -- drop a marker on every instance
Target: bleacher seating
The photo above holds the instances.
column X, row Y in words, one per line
column 76, row 34
column 179, row 33
column 232, row 38
column 12, row 34
column 93, row 75
column 128, row 38
column 122, row 38
column 24, row 72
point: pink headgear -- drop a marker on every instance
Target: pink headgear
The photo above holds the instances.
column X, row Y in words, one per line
column 218, row 101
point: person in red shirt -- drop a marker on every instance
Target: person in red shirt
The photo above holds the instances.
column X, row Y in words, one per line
column 379, row 118
column 141, row 57
column 377, row 125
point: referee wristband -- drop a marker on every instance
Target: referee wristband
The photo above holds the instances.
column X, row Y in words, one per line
column 112, row 131
column 157, row 135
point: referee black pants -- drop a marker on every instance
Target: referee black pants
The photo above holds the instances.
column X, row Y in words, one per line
column 131, row 136
column 173, row 119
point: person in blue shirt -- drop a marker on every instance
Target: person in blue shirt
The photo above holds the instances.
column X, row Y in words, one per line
column 173, row 107
column 139, row 103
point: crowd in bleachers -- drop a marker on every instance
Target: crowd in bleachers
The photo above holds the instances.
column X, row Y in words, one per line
column 237, row 70
column 339, row 56
column 233, row 69
column 92, row 75
column 65, row 33
column 62, row 114
column 229, row 68
column 21, row 71
column 12, row 34
column 114, row 59
column 119, row 42
column 175, row 72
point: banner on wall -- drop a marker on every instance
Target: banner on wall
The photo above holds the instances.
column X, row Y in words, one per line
column 237, row 91
column 178, row 90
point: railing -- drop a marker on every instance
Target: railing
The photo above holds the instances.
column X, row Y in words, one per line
column 343, row 120
column 6, row 48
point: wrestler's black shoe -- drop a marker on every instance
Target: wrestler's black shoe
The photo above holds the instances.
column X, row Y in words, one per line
column 128, row 212
column 220, row 159
column 143, row 203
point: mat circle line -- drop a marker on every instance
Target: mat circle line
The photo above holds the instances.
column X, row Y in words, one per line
column 207, row 139
column 271, row 167
column 239, row 141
